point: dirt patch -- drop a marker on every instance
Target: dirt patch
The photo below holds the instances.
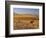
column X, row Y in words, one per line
column 26, row 22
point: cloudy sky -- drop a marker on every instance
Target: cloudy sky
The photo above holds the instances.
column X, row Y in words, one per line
column 26, row 11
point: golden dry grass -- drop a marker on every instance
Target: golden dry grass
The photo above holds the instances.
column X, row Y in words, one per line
column 26, row 22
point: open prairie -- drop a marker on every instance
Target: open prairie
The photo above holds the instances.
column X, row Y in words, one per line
column 25, row 21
